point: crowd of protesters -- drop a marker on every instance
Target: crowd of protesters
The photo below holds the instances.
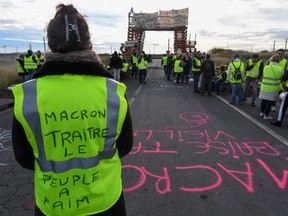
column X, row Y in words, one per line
column 255, row 78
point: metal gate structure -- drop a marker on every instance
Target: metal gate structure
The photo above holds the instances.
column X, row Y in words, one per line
column 172, row 20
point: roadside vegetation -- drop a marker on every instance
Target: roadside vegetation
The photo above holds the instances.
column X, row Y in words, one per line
column 9, row 75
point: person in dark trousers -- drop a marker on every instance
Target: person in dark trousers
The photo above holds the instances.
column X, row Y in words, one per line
column 116, row 64
column 72, row 125
column 283, row 105
column 196, row 70
column 208, row 72
column 187, row 68
column 20, row 67
column 254, row 72
column 220, row 79
column 170, row 65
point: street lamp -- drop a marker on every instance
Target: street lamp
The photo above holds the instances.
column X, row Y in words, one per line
column 154, row 47
column 4, row 48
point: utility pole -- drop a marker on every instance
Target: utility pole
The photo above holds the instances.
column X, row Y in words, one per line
column 285, row 44
column 44, row 44
column 168, row 44
column 154, row 47
column 274, row 46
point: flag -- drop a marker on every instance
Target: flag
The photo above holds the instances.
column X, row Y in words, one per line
column 131, row 11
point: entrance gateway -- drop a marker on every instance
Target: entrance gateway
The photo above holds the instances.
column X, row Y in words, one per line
column 172, row 20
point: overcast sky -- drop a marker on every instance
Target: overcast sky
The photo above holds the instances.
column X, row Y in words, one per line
column 252, row 25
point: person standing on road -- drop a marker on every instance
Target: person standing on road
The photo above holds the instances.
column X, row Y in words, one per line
column 30, row 63
column 282, row 63
column 134, row 61
column 72, row 125
column 254, row 72
column 116, row 64
column 20, row 67
column 39, row 59
column 196, row 70
column 179, row 68
column 142, row 66
column 208, row 72
column 164, row 62
column 170, row 65
column 235, row 75
column 270, row 86
column 283, row 105
column 187, row 68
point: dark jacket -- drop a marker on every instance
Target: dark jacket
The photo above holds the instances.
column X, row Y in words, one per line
column 208, row 68
column 250, row 67
column 116, row 61
column 81, row 63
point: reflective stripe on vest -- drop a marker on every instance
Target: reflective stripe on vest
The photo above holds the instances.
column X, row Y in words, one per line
column 142, row 64
column 271, row 79
column 29, row 63
column 30, row 106
column 177, row 66
column 165, row 60
column 283, row 63
column 198, row 63
column 19, row 68
column 254, row 72
column 39, row 60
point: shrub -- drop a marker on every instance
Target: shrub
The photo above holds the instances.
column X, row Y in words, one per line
column 8, row 72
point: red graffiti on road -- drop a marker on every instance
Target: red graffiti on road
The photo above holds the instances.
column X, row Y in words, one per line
column 187, row 139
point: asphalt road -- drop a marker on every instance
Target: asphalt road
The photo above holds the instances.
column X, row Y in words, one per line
column 192, row 155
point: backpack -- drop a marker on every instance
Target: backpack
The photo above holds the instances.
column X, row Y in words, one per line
column 237, row 73
column 170, row 61
column 208, row 67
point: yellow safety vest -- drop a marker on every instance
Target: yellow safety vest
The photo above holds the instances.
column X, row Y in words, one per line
column 165, row 60
column 29, row 63
column 39, row 60
column 178, row 67
column 134, row 59
column 271, row 78
column 283, row 63
column 19, row 68
column 143, row 64
column 72, row 125
column 232, row 72
column 198, row 63
column 254, row 72
column 125, row 67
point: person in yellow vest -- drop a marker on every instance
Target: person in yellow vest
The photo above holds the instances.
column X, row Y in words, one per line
column 20, row 67
column 254, row 72
column 142, row 67
column 72, row 125
column 39, row 59
column 134, row 62
column 179, row 68
column 235, row 75
column 220, row 79
column 196, row 70
column 125, row 72
column 30, row 63
column 270, row 86
column 282, row 63
column 164, row 62
column 283, row 105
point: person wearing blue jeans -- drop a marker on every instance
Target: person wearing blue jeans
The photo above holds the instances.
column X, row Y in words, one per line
column 196, row 70
column 236, row 81
column 236, row 90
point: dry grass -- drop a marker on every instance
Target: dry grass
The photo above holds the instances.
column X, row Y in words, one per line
column 8, row 72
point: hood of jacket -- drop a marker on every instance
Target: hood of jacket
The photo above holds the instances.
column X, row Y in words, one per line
column 85, row 62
